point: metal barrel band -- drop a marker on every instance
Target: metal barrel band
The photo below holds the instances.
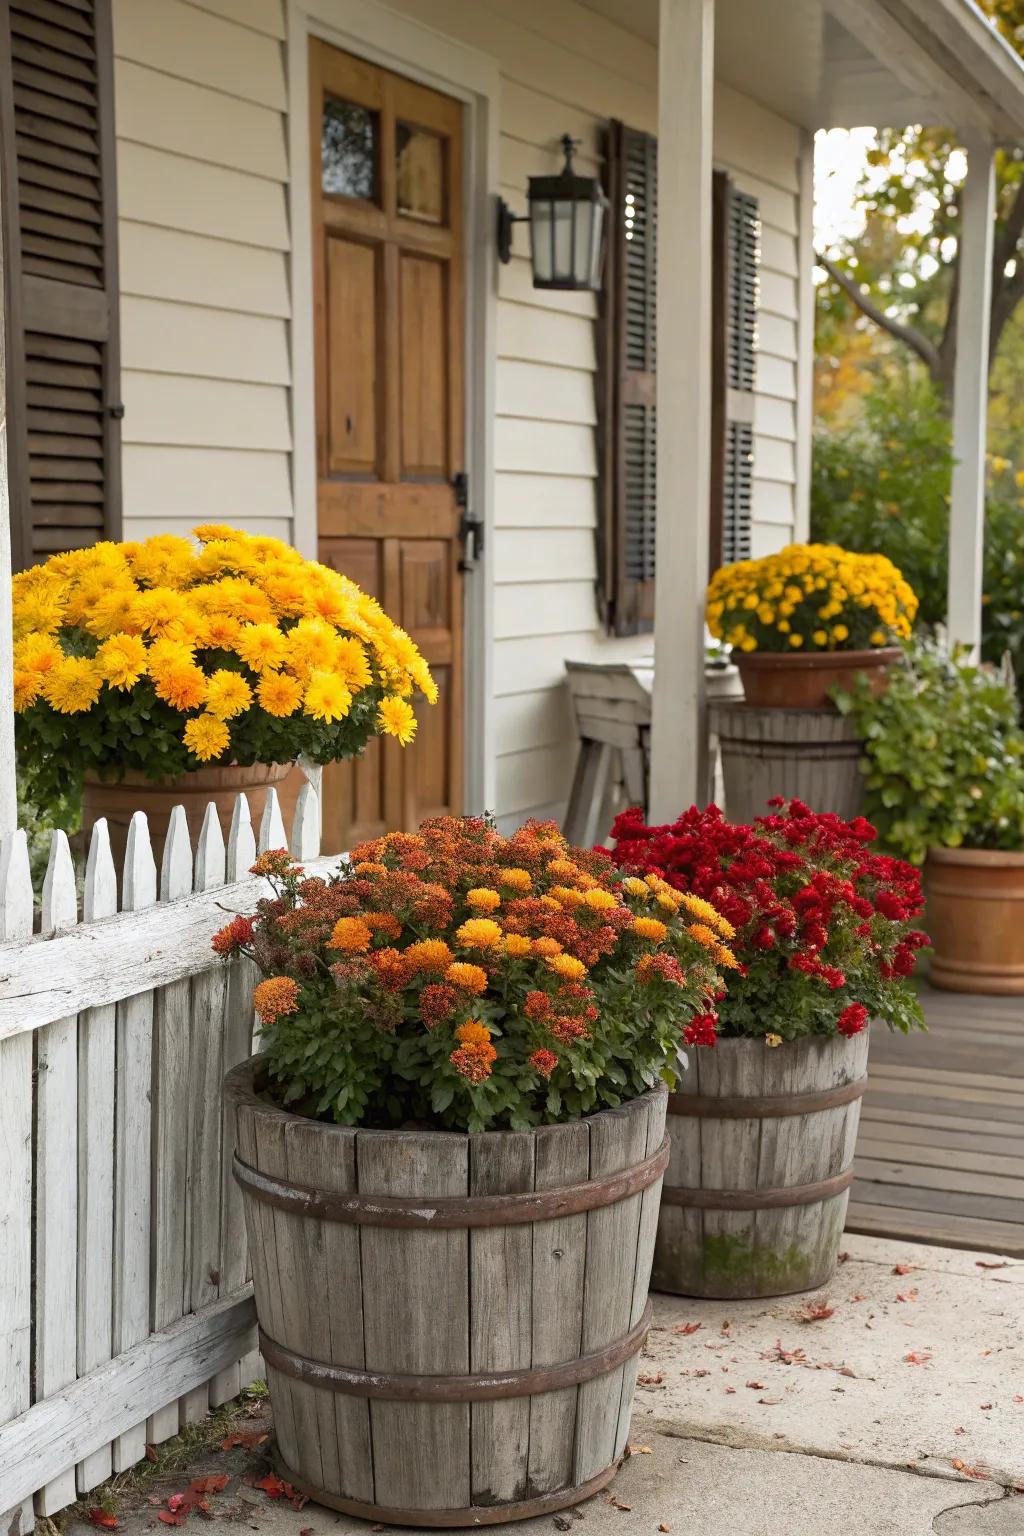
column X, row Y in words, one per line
column 452, row 1211
column 769, row 1107
column 483, row 1387
column 757, row 1199
column 447, row 1519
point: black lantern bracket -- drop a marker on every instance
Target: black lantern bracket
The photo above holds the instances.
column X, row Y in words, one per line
column 506, row 219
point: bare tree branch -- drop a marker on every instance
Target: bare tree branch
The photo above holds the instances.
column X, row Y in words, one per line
column 925, row 349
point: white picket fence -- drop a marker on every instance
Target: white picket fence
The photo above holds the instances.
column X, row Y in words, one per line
column 125, row 1303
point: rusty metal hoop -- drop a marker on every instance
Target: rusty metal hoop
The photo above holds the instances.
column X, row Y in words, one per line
column 769, row 1107
column 453, row 1211
column 757, row 1199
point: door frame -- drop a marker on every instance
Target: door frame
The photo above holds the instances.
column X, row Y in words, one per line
column 385, row 37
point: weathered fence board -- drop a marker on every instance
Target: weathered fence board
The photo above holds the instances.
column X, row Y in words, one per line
column 125, row 1307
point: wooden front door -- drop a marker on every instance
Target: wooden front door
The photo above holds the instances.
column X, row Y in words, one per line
column 388, row 296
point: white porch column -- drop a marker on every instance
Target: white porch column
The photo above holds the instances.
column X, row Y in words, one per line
column 685, row 96
column 970, row 396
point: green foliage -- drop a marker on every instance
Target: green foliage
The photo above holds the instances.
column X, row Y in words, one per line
column 40, row 814
column 943, row 755
column 883, row 485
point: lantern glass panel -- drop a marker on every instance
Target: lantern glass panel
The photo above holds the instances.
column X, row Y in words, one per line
column 541, row 240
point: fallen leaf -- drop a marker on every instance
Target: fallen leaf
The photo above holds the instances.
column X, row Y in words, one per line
column 151, row 1454
column 663, row 1526
column 959, row 1430
column 988, row 1264
column 816, row 1311
column 214, row 1483
column 769, row 1402
column 843, row 1258
column 1018, row 1398
column 904, row 1269
column 249, row 1438
column 730, row 1389
column 103, row 1518
column 907, row 1295
column 307, row 1530
column 170, row 1518
column 650, row 1381
column 977, row 1472
column 175, row 1502
column 640, row 1450
column 756, row 1386
column 616, row 1503
column 860, row 1296
column 916, row 1357
column 686, row 1328
column 271, row 1484
column 984, row 1407
column 153, row 1498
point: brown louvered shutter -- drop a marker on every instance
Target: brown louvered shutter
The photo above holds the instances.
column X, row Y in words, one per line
column 627, row 410
column 737, row 241
column 60, row 239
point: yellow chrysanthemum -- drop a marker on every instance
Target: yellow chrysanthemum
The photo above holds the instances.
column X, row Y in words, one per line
column 227, row 695
column 396, row 718
column 121, row 661
column 600, row 900
column 279, row 694
column 27, row 687
column 38, row 653
column 636, row 887
column 310, row 647
column 471, row 978
column 516, row 945
column 351, row 664
column 183, row 685
column 478, row 933
column 159, row 610
column 567, row 966
column 651, row 928
column 206, row 738
column 698, row 907
column 72, row 686
column 516, row 879
column 326, row 698
column 482, row 899
column 261, row 646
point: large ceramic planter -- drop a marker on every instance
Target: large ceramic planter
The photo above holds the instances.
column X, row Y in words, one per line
column 451, row 1324
column 797, row 680
column 811, row 755
column 974, row 911
column 117, row 800
column 757, row 1186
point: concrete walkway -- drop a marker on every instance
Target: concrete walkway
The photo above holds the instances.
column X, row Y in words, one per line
column 901, row 1413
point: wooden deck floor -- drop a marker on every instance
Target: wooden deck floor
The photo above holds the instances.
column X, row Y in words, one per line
column 940, row 1156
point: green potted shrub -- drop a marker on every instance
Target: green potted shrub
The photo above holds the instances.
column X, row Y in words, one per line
column 763, row 1126
column 944, row 772
column 450, row 1148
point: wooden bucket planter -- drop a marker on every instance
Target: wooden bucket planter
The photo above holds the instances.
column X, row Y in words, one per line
column 451, row 1324
column 811, row 755
column 757, row 1186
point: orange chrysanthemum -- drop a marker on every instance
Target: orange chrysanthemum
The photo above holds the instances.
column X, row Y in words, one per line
column 474, row 1062
column 352, row 935
column 546, row 947
column 473, row 1033
column 703, row 934
column 516, row 879
column 429, row 955
column 517, row 945
column 383, row 922
column 275, row 997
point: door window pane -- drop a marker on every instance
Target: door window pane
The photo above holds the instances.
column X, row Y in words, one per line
column 348, row 150
column 420, row 157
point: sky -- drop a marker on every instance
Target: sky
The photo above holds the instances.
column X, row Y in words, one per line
column 838, row 162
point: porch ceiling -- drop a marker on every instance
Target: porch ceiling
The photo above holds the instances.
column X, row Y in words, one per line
column 846, row 63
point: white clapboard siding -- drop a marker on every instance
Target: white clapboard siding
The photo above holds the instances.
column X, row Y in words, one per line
column 116, row 1164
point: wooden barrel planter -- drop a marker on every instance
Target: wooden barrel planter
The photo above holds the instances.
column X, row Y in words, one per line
column 811, row 755
column 757, row 1186
column 975, row 916
column 451, row 1324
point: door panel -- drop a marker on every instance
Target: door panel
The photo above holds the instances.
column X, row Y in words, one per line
column 352, row 322
column 388, row 295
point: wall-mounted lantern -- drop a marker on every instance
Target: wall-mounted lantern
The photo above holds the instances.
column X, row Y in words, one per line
column 566, row 218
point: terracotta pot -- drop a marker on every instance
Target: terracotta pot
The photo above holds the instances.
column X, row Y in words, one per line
column 793, row 681
column 975, row 916
column 451, row 1339
column 118, row 800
